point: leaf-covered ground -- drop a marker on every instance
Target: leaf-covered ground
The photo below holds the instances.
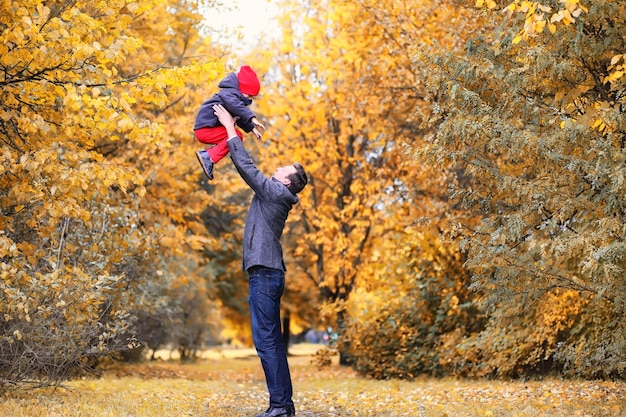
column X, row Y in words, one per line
column 231, row 385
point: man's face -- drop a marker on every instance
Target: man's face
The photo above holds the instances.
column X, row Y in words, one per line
column 282, row 173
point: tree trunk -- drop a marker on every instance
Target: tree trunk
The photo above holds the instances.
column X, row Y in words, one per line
column 286, row 329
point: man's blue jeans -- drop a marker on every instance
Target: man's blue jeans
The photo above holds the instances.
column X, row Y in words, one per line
column 266, row 289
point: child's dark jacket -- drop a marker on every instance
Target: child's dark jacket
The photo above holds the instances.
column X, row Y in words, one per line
column 233, row 100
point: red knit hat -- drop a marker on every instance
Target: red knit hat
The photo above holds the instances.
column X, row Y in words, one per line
column 248, row 81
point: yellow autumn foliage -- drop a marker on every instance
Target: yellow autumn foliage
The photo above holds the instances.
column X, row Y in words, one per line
column 80, row 85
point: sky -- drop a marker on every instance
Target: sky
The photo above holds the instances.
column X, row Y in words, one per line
column 254, row 17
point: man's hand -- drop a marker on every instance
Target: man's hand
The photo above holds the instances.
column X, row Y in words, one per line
column 225, row 119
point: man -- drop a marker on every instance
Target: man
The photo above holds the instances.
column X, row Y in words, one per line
column 263, row 260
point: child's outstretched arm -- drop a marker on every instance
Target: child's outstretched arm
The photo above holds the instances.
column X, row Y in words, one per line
column 258, row 124
column 258, row 128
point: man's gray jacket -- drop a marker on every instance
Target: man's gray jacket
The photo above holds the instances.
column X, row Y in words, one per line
column 267, row 215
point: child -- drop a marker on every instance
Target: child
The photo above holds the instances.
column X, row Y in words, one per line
column 236, row 91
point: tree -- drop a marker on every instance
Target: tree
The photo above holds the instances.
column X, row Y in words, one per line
column 342, row 101
column 535, row 116
column 74, row 124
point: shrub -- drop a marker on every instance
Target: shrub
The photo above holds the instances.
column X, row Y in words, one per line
column 397, row 330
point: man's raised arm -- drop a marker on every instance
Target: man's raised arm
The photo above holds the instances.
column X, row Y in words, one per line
column 225, row 119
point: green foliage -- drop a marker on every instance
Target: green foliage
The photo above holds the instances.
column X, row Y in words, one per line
column 563, row 339
column 538, row 128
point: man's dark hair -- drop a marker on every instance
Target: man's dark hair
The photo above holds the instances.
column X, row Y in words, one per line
column 298, row 179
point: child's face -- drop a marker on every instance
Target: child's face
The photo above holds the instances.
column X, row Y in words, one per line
column 247, row 96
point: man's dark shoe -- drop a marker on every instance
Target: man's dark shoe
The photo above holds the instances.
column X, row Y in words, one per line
column 278, row 412
column 205, row 163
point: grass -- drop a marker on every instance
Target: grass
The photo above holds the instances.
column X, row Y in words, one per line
column 230, row 383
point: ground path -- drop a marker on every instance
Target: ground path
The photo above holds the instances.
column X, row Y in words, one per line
column 230, row 383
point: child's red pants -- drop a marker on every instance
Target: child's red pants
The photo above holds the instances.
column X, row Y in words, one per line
column 215, row 136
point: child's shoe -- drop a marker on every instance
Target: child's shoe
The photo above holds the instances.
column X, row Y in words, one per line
column 205, row 163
